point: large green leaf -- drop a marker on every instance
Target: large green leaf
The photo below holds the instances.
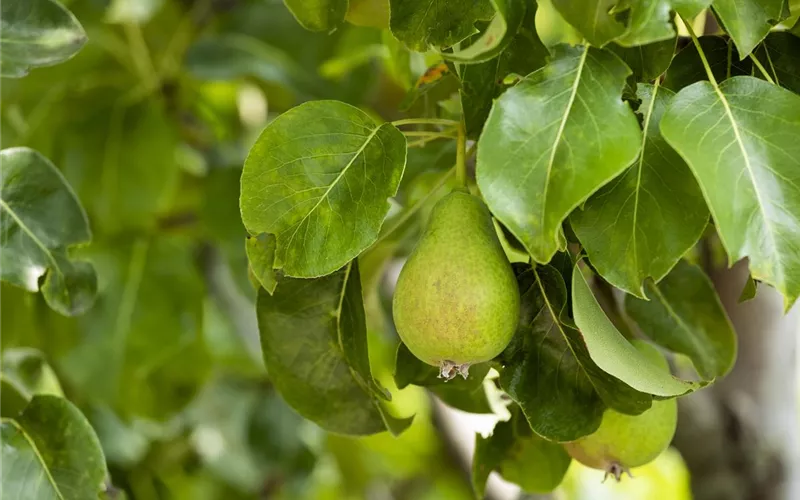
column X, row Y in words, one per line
column 684, row 315
column 421, row 24
column 552, row 141
column 316, row 354
column 51, row 452
column 593, row 18
column 548, row 370
column 641, row 224
column 318, row 178
column 614, row 354
column 523, row 458
column 318, row 15
column 482, row 83
column 36, row 33
column 749, row 21
column 740, row 140
column 40, row 219
column 497, row 36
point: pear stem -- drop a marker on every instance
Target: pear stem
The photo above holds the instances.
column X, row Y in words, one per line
column 461, row 155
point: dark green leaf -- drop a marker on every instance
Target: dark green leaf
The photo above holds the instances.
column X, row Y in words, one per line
column 649, row 61
column 684, row 315
column 307, row 358
column 575, row 135
column 509, row 16
column 536, row 465
column 51, row 451
column 593, row 18
column 749, row 21
column 482, row 83
column 318, row 178
column 37, row 33
column 41, row 219
column 687, row 68
column 421, row 24
column 780, row 54
column 13, row 397
column 740, row 140
column 641, row 224
column 261, row 254
column 318, row 15
column 616, row 355
column 548, row 371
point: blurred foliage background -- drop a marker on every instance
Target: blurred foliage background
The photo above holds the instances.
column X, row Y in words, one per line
column 150, row 123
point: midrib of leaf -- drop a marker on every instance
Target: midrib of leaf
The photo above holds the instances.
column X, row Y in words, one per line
column 32, row 236
column 335, row 181
column 36, row 452
column 746, row 158
column 639, row 179
column 682, row 324
column 560, row 133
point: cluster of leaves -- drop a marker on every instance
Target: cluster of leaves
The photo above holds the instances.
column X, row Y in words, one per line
column 611, row 153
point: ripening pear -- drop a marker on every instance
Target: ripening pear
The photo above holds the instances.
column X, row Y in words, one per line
column 625, row 441
column 456, row 302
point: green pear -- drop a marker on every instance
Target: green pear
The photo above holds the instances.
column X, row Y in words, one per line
column 625, row 441
column 456, row 302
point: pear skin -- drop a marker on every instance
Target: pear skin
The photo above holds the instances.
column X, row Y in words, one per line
column 457, row 302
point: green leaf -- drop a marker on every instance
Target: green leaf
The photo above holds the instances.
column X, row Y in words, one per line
column 749, row 290
column 749, row 21
column 651, row 21
column 40, row 219
column 37, row 33
column 51, row 451
column 482, row 83
column 687, row 67
column 649, row 61
column 261, row 255
column 740, row 140
column 641, row 224
column 13, row 397
column 593, row 18
column 29, row 370
column 614, row 354
column 467, row 395
column 508, row 18
column 318, row 15
column 421, row 24
column 132, row 11
column 318, row 178
column 321, row 370
column 536, row 465
column 575, row 135
column 684, row 315
column 780, row 54
column 373, row 13
column 548, row 370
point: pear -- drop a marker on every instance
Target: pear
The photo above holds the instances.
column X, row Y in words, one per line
column 456, row 302
column 625, row 441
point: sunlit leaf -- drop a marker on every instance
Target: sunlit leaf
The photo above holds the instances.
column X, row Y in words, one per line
column 614, row 354
column 36, row 33
column 318, row 178
column 40, row 219
column 548, row 370
column 553, row 140
column 321, row 370
column 684, row 315
column 641, row 224
column 748, row 21
column 51, row 451
column 421, row 24
column 740, row 140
